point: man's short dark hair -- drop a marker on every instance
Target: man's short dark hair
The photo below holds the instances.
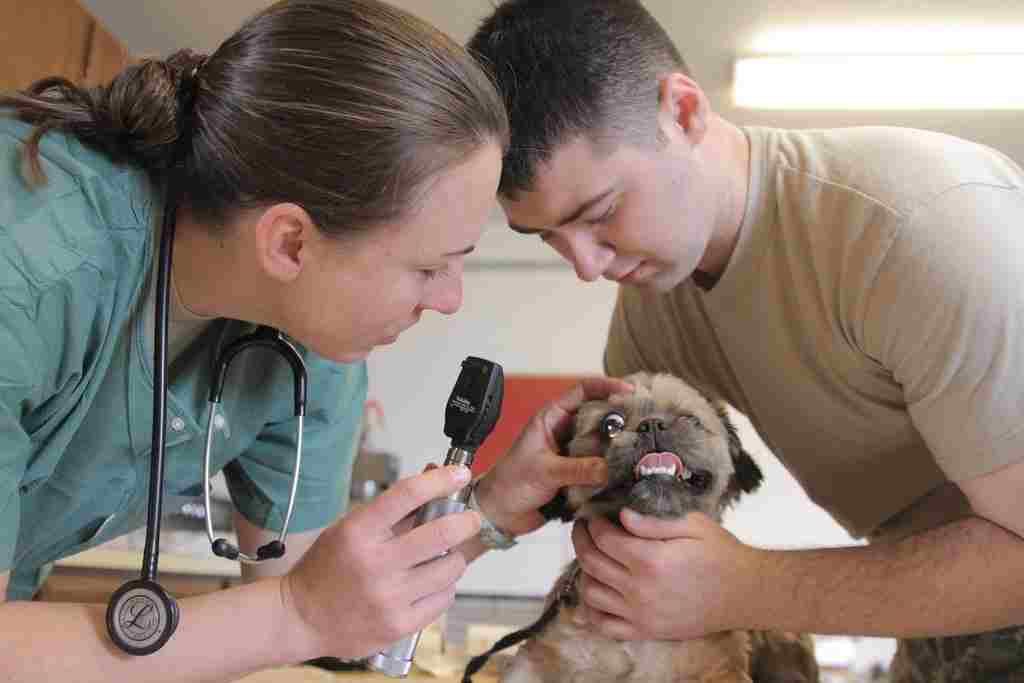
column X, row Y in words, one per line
column 573, row 67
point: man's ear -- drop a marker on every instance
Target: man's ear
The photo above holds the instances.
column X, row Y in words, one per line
column 285, row 236
column 683, row 108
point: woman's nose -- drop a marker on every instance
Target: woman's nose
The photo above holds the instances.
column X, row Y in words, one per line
column 444, row 294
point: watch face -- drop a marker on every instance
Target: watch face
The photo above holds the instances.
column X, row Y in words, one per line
column 141, row 617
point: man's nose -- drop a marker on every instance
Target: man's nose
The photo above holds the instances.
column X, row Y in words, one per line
column 588, row 256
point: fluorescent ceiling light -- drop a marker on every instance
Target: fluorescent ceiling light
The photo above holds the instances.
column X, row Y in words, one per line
column 933, row 39
column 880, row 82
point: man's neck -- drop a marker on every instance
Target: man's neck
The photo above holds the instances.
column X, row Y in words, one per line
column 735, row 175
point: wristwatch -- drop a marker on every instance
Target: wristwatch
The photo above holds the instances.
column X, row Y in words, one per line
column 490, row 535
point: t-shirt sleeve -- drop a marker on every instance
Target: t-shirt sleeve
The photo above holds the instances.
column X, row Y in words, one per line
column 260, row 480
column 19, row 390
column 946, row 318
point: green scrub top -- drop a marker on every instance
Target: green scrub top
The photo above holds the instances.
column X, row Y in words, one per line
column 76, row 377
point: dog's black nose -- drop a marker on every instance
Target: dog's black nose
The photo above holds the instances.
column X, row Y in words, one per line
column 652, row 424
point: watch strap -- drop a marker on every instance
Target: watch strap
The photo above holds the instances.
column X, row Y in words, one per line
column 490, row 535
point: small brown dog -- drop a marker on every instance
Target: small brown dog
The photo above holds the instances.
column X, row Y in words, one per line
column 670, row 450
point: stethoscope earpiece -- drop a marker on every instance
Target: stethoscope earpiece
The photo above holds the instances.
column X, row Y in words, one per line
column 270, row 551
column 221, row 548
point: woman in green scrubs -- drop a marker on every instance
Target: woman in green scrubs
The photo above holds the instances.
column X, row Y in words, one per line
column 342, row 159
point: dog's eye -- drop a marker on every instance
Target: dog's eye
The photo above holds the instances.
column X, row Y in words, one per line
column 612, row 424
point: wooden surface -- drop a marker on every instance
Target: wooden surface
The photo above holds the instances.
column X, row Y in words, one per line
column 306, row 674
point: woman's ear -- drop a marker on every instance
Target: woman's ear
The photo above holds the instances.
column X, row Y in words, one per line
column 285, row 240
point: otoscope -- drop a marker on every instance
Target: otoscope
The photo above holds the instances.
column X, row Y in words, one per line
column 469, row 416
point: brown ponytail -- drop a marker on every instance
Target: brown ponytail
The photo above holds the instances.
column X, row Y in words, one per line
column 345, row 107
column 134, row 119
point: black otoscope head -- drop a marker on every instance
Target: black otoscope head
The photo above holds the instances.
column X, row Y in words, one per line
column 475, row 403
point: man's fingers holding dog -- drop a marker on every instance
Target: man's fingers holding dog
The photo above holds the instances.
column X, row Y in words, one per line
column 693, row 525
column 609, row 625
column 619, row 545
column 594, row 562
column 600, row 596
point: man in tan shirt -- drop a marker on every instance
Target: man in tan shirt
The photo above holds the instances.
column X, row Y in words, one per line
column 857, row 293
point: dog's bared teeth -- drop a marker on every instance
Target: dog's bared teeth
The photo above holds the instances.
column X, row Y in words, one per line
column 669, row 470
column 661, row 463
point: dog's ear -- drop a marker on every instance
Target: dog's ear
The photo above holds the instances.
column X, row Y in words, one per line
column 747, row 475
column 557, row 508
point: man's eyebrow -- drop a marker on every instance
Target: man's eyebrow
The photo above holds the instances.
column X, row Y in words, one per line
column 464, row 252
column 582, row 209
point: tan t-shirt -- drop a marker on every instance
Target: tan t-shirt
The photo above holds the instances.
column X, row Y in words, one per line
column 870, row 322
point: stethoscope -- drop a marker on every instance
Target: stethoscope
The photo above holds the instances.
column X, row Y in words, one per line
column 141, row 615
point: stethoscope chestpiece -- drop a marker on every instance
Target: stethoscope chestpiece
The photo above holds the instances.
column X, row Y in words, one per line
column 141, row 617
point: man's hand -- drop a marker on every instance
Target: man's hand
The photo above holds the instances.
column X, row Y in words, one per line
column 531, row 473
column 662, row 579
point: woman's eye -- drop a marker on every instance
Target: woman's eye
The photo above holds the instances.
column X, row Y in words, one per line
column 434, row 273
column 612, row 424
column 603, row 218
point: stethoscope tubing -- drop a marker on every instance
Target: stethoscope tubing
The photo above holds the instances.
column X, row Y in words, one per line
column 243, row 557
column 151, row 551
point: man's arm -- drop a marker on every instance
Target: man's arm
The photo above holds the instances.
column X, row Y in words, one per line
column 960, row 578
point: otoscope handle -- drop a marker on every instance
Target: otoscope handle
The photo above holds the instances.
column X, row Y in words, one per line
column 396, row 660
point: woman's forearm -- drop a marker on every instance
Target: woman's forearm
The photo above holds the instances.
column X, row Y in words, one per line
column 221, row 637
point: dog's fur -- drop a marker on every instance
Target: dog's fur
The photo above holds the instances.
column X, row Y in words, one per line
column 665, row 415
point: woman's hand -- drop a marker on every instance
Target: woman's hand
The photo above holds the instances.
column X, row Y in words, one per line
column 362, row 585
column 531, row 473
column 658, row 579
